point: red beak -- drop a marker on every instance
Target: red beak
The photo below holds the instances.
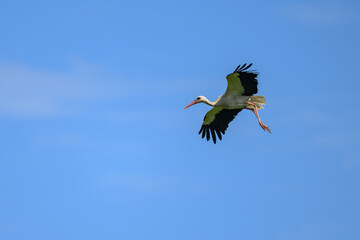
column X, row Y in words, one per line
column 192, row 103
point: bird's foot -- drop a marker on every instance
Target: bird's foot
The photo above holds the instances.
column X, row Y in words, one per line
column 263, row 126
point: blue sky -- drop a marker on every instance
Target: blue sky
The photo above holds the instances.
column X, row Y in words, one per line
column 96, row 143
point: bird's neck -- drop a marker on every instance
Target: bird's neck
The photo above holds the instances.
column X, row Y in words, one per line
column 212, row 104
column 209, row 103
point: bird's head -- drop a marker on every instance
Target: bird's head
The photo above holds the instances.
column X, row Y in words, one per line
column 199, row 99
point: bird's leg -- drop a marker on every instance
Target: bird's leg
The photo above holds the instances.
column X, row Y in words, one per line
column 262, row 125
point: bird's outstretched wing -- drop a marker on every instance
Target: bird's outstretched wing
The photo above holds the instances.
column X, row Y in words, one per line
column 217, row 121
column 242, row 82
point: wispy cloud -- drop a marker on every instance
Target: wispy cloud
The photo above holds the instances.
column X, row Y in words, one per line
column 315, row 231
column 320, row 13
column 149, row 183
column 135, row 182
column 30, row 92
column 26, row 91
column 336, row 139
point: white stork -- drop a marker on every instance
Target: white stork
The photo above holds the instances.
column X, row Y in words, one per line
column 242, row 85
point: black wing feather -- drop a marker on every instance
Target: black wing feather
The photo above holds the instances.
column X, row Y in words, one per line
column 242, row 67
column 219, row 124
column 248, row 79
column 247, row 67
column 204, row 131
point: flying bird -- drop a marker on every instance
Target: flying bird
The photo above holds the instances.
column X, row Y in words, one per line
column 239, row 95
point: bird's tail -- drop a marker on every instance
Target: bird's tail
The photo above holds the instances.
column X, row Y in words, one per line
column 259, row 100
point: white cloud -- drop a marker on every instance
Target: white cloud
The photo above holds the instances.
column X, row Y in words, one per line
column 30, row 92
column 320, row 13
column 336, row 139
column 150, row 183
column 316, row 230
column 135, row 182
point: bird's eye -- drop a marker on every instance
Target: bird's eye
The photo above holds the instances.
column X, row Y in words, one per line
column 198, row 98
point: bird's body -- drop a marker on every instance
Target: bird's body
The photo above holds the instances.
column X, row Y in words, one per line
column 228, row 101
column 233, row 101
column 239, row 95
